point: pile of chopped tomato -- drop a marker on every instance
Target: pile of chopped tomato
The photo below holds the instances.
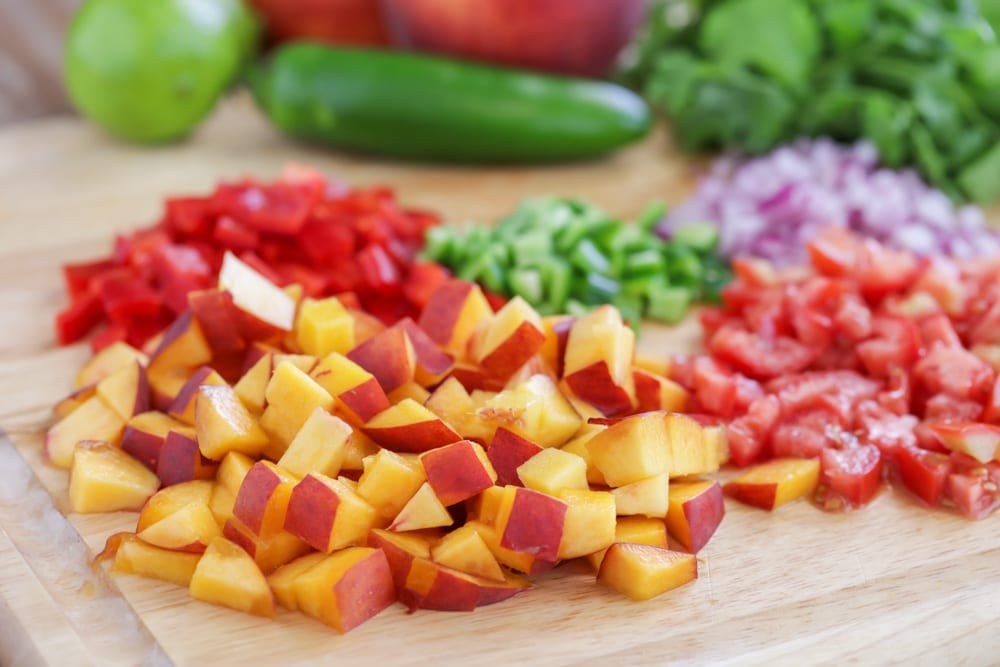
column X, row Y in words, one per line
column 881, row 364
column 302, row 229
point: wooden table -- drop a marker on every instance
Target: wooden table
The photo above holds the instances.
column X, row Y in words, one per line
column 893, row 583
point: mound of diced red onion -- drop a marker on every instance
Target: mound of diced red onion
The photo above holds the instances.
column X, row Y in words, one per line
column 770, row 205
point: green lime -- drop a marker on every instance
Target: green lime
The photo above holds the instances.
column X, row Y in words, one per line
column 150, row 70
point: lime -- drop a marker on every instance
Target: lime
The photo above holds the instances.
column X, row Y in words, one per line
column 150, row 70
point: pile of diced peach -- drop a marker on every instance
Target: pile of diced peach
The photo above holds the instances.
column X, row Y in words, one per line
column 297, row 450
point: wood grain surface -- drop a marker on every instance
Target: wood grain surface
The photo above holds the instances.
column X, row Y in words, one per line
column 891, row 584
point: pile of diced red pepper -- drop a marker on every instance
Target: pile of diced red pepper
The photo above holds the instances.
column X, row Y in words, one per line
column 359, row 244
column 881, row 364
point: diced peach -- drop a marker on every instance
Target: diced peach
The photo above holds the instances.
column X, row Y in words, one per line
column 324, row 326
column 655, row 392
column 354, row 388
column 219, row 318
column 430, row 585
column 696, row 510
column 473, row 377
column 318, row 446
column 181, row 460
column 578, row 446
column 327, row 514
column 251, row 387
column 452, row 314
column 263, row 306
column 389, row 356
column 106, row 479
column 182, row 408
column 191, row 528
column 165, row 385
column 509, row 339
column 635, row 530
column 453, row 404
column 690, row 453
column 423, row 510
column 390, row 480
column 458, row 471
column 641, row 572
column 227, row 576
column 347, row 588
column 598, row 362
column 144, row 435
column 291, row 397
column 107, row 361
column 73, row 400
column 170, row 499
column 520, row 561
column 133, row 556
column 400, row 550
column 282, row 581
column 648, row 497
column 556, row 328
column 632, row 449
column 126, row 391
column 183, row 346
column 356, row 450
column 232, row 470
column 534, row 409
column 410, row 427
column 410, row 390
column 269, row 553
column 223, row 425
column 552, row 470
column 93, row 420
column 486, row 506
column 531, row 522
column 464, row 550
column 221, row 503
column 506, row 452
column 590, row 521
column 772, row 484
column 262, row 501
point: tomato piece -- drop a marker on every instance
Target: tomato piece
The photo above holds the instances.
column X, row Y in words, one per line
column 681, row 370
column 986, row 328
column 805, row 435
column 942, row 280
column 761, row 359
column 945, row 408
column 833, row 251
column 113, row 333
column 853, row 319
column 898, row 393
column 924, row 473
column 937, row 329
column 850, row 476
column 711, row 319
column 755, row 272
column 991, row 411
column 714, row 386
column 749, row 435
column 891, row 433
column 79, row 318
column 955, row 372
column 837, row 392
column 975, row 496
column 769, row 315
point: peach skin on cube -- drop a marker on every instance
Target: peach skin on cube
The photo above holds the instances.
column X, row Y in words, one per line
column 318, row 446
column 635, row 530
column 93, row 420
column 181, row 460
column 264, row 309
column 648, row 497
column 642, row 572
column 191, row 528
column 389, row 356
column 464, row 550
column 389, row 481
column 103, row 478
column 282, row 581
column 223, row 425
column 126, row 391
column 655, row 392
column 631, row 449
column 327, row 514
column 169, row 499
column 183, row 346
column 219, row 319
column 134, row 556
column 433, row 364
column 269, row 553
column 73, row 400
column 551, row 470
column 164, row 385
column 534, row 409
column 507, row 451
column 324, row 326
column 347, row 588
column 400, row 550
column 597, row 364
column 106, row 362
column 519, row 561
column 410, row 427
column 772, row 484
column 144, row 435
column 262, row 501
column 590, row 522
column 182, row 407
column 352, row 386
column 508, row 340
column 434, row 586
column 458, row 471
column 452, row 313
column 423, row 510
column 531, row 522
column 695, row 512
column 226, row 575
column 291, row 397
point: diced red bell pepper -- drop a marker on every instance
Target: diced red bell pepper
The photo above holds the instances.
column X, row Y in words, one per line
column 378, row 272
column 78, row 277
column 236, row 236
column 189, row 216
column 79, row 318
column 124, row 297
column 422, row 280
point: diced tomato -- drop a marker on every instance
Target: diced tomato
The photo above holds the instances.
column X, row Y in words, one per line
column 711, row 319
column 956, row 372
column 942, row 280
column 889, row 432
column 897, row 395
column 986, row 327
column 924, row 473
column 944, row 408
column 833, row 252
column 768, row 316
column 761, row 359
column 805, row 435
column 714, row 386
column 747, row 391
column 681, row 370
column 991, row 411
column 975, row 496
column 853, row 318
column 937, row 329
column 852, row 474
column 927, row 438
column 755, row 272
column 837, row 392
column 750, row 434
column 113, row 333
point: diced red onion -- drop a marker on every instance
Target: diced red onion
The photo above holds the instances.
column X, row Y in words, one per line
column 769, row 205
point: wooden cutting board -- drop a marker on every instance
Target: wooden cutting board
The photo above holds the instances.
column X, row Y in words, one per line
column 893, row 583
